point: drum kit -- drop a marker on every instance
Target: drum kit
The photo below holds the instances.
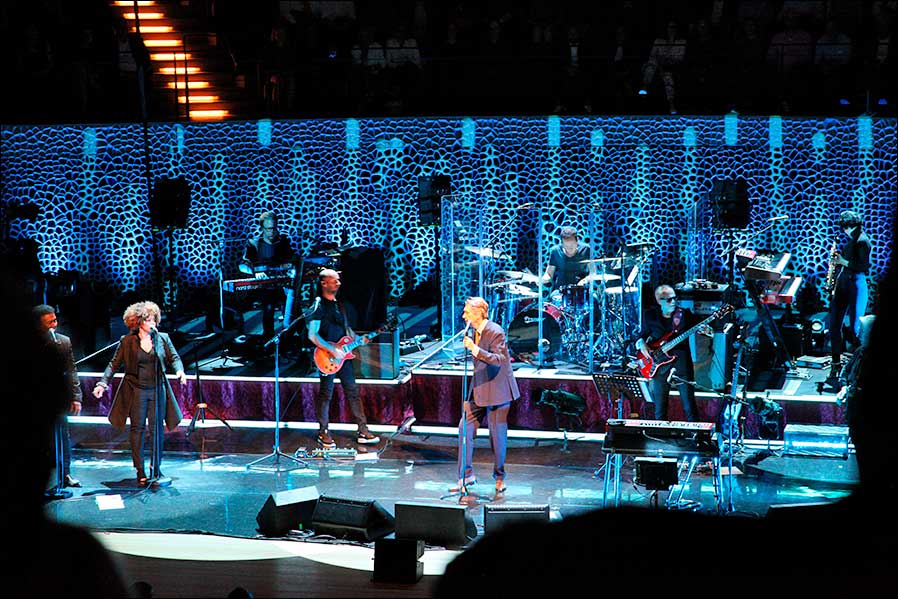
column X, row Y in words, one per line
column 610, row 291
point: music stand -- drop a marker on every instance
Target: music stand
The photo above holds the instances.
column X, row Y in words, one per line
column 617, row 386
column 201, row 405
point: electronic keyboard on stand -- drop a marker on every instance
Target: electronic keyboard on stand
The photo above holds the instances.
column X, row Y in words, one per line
column 661, row 438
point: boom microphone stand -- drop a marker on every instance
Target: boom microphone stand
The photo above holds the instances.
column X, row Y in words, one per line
column 276, row 453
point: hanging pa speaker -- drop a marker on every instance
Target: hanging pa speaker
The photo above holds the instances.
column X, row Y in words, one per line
column 170, row 203
column 360, row 520
column 730, row 202
column 287, row 510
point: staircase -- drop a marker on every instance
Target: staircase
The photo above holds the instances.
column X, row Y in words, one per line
column 193, row 77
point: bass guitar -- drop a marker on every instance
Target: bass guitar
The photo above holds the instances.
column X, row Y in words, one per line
column 327, row 363
column 649, row 362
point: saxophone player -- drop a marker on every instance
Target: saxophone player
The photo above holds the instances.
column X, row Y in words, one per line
column 849, row 300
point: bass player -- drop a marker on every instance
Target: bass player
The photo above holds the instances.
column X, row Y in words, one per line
column 668, row 319
column 327, row 326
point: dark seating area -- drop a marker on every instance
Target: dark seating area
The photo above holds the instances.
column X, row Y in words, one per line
column 73, row 62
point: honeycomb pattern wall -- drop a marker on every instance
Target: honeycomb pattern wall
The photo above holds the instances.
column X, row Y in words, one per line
column 356, row 182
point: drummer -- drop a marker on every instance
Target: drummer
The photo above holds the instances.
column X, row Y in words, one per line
column 567, row 264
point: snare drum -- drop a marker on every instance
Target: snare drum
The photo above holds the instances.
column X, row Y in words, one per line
column 523, row 333
column 574, row 298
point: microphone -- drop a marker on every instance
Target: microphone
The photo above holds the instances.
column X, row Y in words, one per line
column 670, row 375
column 525, row 206
column 53, row 335
column 417, row 339
column 776, row 218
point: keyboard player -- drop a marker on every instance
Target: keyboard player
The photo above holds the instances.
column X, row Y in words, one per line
column 265, row 254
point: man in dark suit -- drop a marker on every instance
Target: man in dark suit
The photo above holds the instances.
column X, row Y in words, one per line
column 492, row 391
column 46, row 321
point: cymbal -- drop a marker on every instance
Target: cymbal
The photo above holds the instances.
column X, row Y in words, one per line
column 618, row 290
column 488, row 252
column 594, row 260
column 521, row 290
column 526, row 277
column 598, row 277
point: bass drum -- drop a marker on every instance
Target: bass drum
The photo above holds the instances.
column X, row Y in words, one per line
column 523, row 333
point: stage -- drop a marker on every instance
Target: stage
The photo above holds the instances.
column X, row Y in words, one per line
column 199, row 536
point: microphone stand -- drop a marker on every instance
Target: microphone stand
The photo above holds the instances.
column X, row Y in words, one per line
column 276, row 453
column 463, row 494
column 156, row 479
column 731, row 400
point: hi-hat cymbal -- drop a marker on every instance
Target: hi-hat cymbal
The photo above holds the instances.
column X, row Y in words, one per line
column 488, row 252
column 618, row 290
column 598, row 277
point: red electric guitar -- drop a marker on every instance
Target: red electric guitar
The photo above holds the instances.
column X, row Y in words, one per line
column 657, row 356
column 328, row 364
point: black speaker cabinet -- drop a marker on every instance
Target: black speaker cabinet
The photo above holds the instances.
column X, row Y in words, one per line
column 443, row 525
column 496, row 517
column 398, row 560
column 378, row 359
column 170, row 203
column 360, row 520
column 287, row 510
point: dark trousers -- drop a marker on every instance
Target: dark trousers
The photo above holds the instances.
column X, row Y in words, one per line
column 661, row 390
column 142, row 410
column 850, row 299
column 64, row 439
column 350, row 391
column 497, row 421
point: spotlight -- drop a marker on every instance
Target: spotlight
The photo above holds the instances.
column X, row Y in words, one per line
column 643, row 92
column 844, row 101
column 882, row 102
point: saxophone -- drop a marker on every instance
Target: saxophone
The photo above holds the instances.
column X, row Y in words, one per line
column 829, row 285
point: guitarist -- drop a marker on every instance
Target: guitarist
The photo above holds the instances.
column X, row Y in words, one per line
column 668, row 319
column 327, row 325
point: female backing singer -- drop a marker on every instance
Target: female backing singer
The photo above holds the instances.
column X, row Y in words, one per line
column 145, row 354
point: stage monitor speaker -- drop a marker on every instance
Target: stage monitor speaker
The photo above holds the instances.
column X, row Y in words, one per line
column 730, row 203
column 398, row 560
column 287, row 510
column 496, row 517
column 443, row 525
column 378, row 359
column 170, row 203
column 361, row 520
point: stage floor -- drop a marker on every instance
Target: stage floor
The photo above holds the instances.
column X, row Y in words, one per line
column 213, row 493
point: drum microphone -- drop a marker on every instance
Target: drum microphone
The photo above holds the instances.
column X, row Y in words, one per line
column 525, row 206
column 670, row 375
column 776, row 218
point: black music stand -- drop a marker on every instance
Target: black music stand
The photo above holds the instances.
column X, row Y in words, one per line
column 201, row 405
column 617, row 386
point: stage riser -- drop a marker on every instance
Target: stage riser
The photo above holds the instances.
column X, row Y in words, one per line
column 436, row 400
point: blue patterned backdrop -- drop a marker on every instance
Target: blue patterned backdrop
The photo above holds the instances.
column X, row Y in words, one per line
column 357, row 181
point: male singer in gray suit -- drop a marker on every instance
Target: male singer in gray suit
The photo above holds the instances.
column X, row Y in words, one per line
column 492, row 391
column 46, row 321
